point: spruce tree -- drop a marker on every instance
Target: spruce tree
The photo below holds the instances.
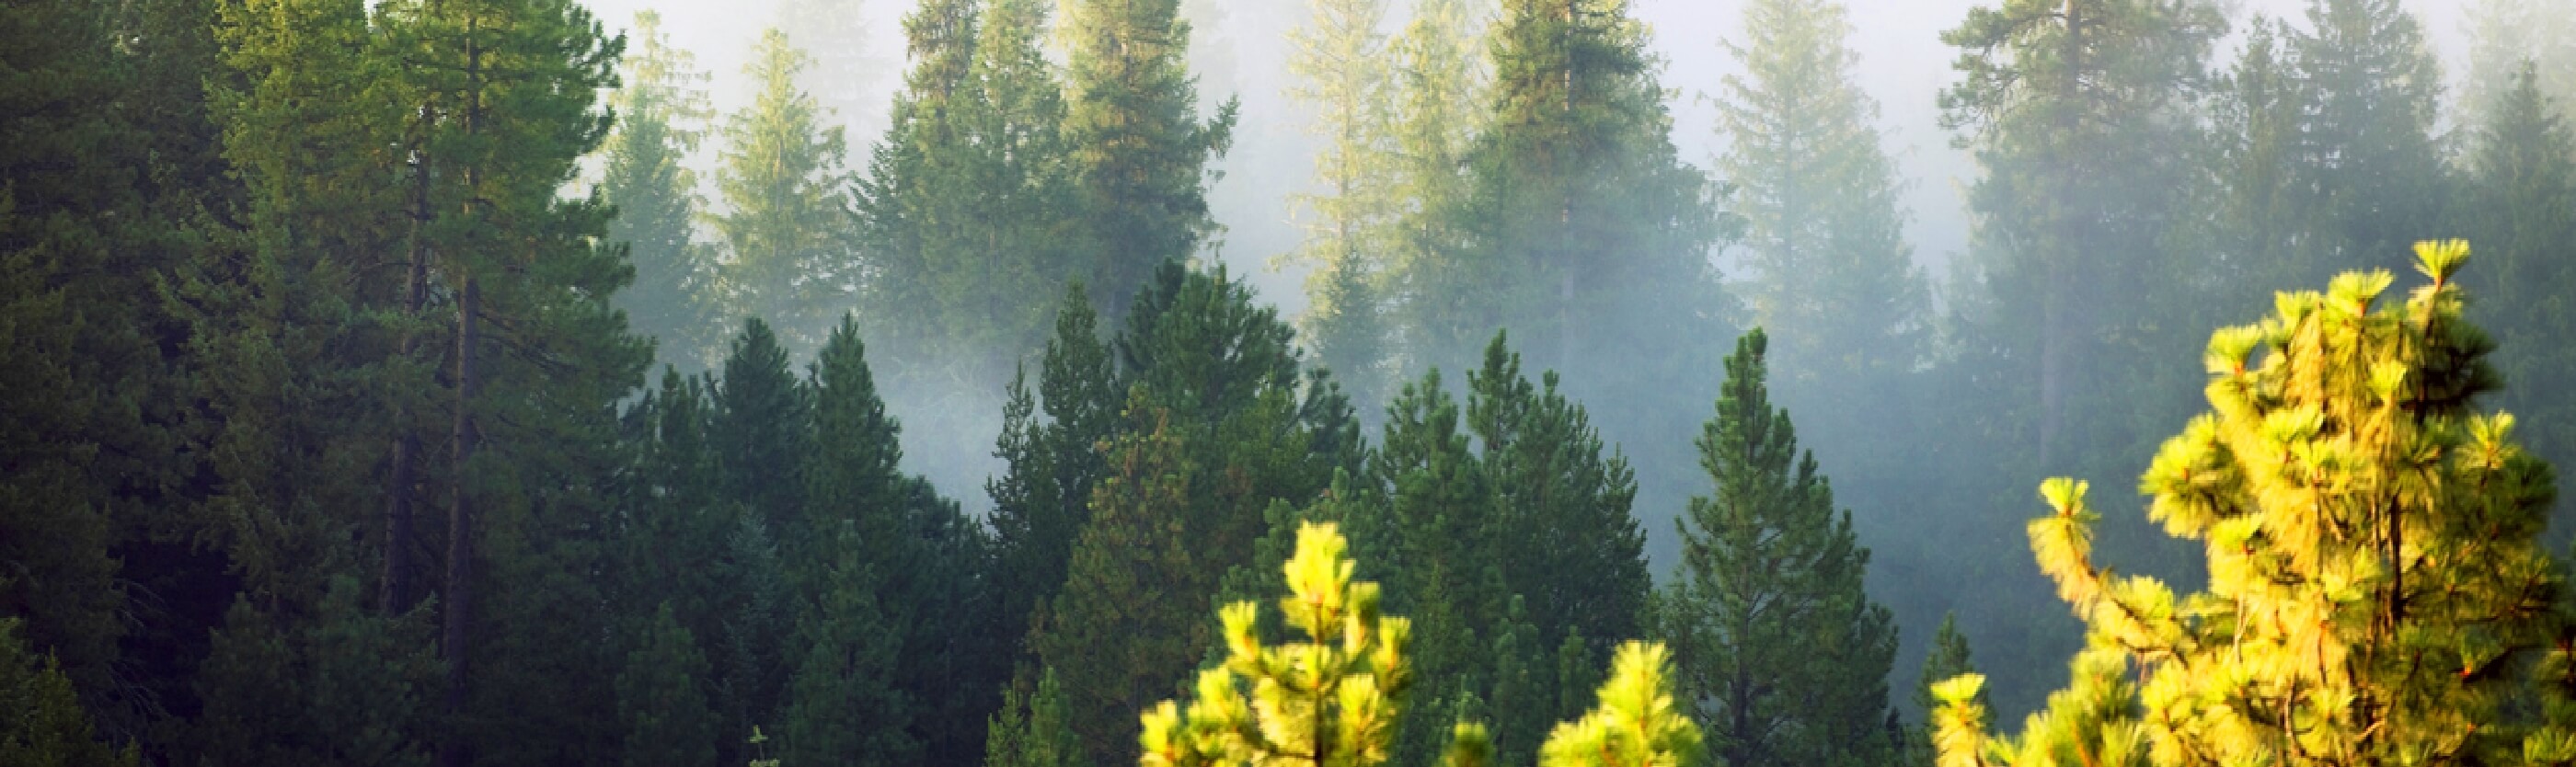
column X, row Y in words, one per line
column 662, row 700
column 2523, row 212
column 1030, row 730
column 45, row 726
column 1824, row 232
column 783, row 187
column 2372, row 91
column 1438, row 102
column 1571, row 545
column 2376, row 589
column 1138, row 148
column 1128, row 614
column 1776, row 641
column 1051, row 444
column 2503, row 35
column 661, row 113
column 1340, row 62
column 841, row 705
column 761, row 432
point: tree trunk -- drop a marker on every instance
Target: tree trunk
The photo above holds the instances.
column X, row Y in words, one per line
column 399, row 591
column 460, row 527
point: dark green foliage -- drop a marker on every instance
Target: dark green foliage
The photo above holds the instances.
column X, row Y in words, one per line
column 1573, row 549
column 41, row 721
column 762, row 432
column 1784, row 653
column 841, row 705
column 2371, row 91
column 343, row 686
column 1031, row 730
column 1043, row 500
column 662, row 699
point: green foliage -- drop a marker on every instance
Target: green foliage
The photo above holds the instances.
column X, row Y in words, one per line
column 1779, row 647
column 2522, row 212
column 662, row 700
column 783, row 188
column 342, row 686
column 1340, row 63
column 842, row 706
column 2504, row 35
column 661, row 113
column 2372, row 89
column 1138, row 150
column 1331, row 700
column 761, row 431
column 44, row 725
column 2376, row 592
column 1031, row 730
column 1043, row 500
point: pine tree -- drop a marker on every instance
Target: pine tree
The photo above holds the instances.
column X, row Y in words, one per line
column 762, row 431
column 1138, row 148
column 783, row 188
column 1340, row 63
column 45, row 726
column 1438, row 101
column 1832, row 275
column 1332, row 700
column 846, row 70
column 1639, row 721
column 1777, row 642
column 1128, row 613
column 338, row 683
column 2376, row 590
column 2523, row 212
column 1031, row 730
column 2503, row 35
column 1572, row 547
column 1043, row 500
column 2075, row 113
column 661, row 110
column 661, row 699
column 1946, row 658
column 841, row 705
column 2372, row 90
column 1441, row 540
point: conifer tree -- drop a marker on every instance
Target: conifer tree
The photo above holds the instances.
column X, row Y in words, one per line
column 661, row 699
column 45, row 726
column 1340, row 63
column 783, row 187
column 1438, row 101
column 662, row 112
column 1128, row 613
column 1946, row 658
column 2372, row 90
column 841, row 705
column 1138, row 147
column 1824, row 233
column 2254, row 167
column 674, row 542
column 1043, row 500
column 1782, row 650
column 1640, row 719
column 2076, row 115
column 1571, row 546
column 1330, row 701
column 1031, row 729
column 2503, row 35
column 846, row 70
column 2523, row 210
column 2376, row 589
column 761, row 429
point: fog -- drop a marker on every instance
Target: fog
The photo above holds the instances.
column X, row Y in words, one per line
column 1239, row 51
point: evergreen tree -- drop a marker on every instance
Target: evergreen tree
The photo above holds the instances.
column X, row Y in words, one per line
column 1571, row 546
column 2376, row 590
column 1441, row 540
column 1138, row 149
column 2372, row 92
column 842, row 706
column 1824, row 233
column 1947, row 658
column 661, row 700
column 661, row 110
column 1330, row 700
column 783, row 188
column 677, row 523
column 1439, row 96
column 761, row 432
column 45, row 726
column 1031, row 730
column 1640, row 719
column 1129, row 610
column 1043, row 500
column 846, row 69
column 339, row 685
column 1777, row 642
column 1340, row 63
column 2523, row 210
column 2503, row 35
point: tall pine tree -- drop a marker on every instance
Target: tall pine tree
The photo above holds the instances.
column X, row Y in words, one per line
column 784, row 189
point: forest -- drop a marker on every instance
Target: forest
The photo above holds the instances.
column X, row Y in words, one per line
column 490, row 382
